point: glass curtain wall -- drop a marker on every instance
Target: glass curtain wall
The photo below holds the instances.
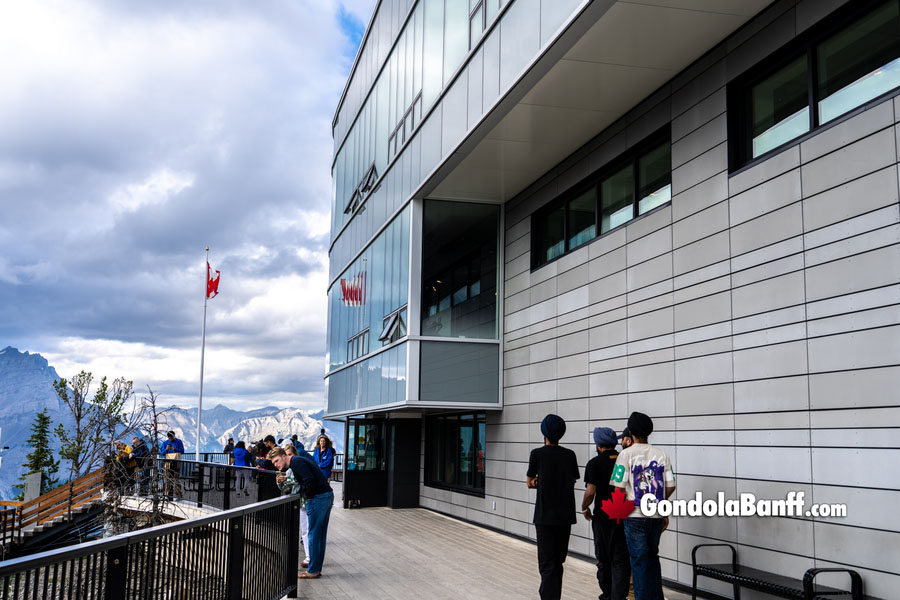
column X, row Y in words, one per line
column 376, row 381
column 367, row 294
column 428, row 51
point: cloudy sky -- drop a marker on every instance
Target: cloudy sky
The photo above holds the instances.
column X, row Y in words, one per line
column 135, row 134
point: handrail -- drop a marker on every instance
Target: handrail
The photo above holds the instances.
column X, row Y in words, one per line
column 203, row 557
column 208, row 483
column 60, row 500
column 41, row 559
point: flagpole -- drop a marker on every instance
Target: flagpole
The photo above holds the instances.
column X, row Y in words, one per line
column 202, row 354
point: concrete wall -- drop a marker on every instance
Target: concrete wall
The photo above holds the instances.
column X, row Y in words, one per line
column 756, row 318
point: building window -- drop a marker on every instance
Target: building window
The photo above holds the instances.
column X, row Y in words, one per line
column 455, row 452
column 403, row 131
column 358, row 346
column 828, row 74
column 477, row 21
column 459, row 269
column 363, row 189
column 393, row 327
column 636, row 183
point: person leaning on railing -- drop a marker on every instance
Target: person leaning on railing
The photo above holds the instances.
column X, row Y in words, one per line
column 319, row 500
column 141, row 455
column 288, row 484
column 125, row 464
column 172, row 448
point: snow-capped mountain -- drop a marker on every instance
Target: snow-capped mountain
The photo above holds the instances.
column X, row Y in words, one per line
column 26, row 387
column 221, row 423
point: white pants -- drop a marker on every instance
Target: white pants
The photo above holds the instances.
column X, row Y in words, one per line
column 304, row 530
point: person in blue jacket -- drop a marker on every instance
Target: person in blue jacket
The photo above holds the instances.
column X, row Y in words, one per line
column 241, row 456
column 324, row 455
column 171, row 444
column 171, row 449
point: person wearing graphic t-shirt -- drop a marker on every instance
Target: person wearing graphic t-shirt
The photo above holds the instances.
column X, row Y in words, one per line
column 552, row 471
column 643, row 470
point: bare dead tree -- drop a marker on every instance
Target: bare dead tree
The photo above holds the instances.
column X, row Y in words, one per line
column 159, row 480
column 138, row 499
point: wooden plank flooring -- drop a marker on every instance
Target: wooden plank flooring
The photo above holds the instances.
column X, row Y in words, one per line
column 419, row 554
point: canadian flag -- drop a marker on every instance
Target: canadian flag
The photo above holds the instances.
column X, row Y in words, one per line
column 353, row 291
column 212, row 282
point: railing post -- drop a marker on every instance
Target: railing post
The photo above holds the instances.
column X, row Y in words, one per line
column 226, row 490
column 293, row 554
column 234, row 576
column 69, row 502
column 116, row 571
column 199, row 485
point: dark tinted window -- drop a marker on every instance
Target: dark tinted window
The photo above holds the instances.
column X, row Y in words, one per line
column 551, row 234
column 859, row 63
column 856, row 58
column 779, row 107
column 655, row 178
column 617, row 199
column 455, row 452
column 583, row 218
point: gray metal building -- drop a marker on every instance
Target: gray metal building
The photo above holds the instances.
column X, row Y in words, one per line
column 683, row 207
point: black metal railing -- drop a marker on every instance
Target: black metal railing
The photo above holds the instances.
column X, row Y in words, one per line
column 246, row 553
column 337, row 471
column 220, row 458
column 206, row 484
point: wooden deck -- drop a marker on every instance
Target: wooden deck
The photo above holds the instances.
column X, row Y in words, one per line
column 416, row 553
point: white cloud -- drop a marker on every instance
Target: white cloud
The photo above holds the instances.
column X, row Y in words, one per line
column 136, row 134
column 157, row 188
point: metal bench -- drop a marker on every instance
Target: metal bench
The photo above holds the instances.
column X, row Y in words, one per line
column 740, row 576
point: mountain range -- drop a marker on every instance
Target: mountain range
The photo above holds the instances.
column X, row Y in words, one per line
column 26, row 388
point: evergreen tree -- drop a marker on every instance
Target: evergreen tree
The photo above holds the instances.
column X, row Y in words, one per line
column 41, row 459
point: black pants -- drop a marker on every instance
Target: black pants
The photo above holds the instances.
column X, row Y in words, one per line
column 613, row 565
column 552, row 547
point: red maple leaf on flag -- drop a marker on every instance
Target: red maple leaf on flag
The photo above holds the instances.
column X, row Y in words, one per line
column 618, row 507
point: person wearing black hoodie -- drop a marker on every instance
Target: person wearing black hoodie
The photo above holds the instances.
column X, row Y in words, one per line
column 552, row 471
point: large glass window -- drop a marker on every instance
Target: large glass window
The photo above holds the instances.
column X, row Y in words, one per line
column 617, row 199
column 582, row 218
column 859, row 62
column 550, row 234
column 459, row 269
column 637, row 183
column 455, row 452
column 654, row 178
column 780, row 107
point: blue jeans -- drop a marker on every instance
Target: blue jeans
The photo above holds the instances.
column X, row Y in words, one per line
column 642, row 535
column 318, row 510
